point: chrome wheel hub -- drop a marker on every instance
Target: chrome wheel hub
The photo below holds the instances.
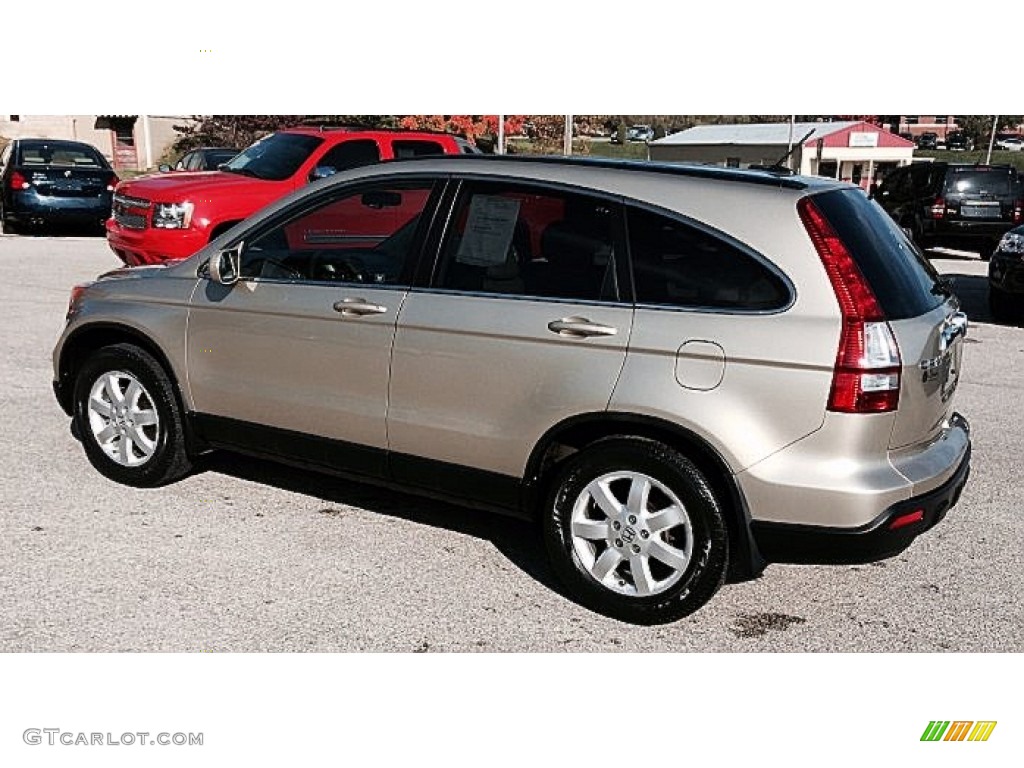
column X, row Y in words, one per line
column 123, row 418
column 632, row 533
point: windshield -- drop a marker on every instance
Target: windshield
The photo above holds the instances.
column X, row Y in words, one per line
column 275, row 157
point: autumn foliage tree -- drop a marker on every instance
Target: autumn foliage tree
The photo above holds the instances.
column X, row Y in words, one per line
column 473, row 127
column 242, row 130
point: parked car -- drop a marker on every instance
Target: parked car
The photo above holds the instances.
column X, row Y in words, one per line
column 170, row 216
column 468, row 327
column 952, row 205
column 1006, row 277
column 203, row 159
column 46, row 182
column 958, row 141
column 1012, row 143
column 640, row 133
column 928, row 140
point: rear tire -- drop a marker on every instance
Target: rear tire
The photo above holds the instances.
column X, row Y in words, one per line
column 128, row 418
column 634, row 531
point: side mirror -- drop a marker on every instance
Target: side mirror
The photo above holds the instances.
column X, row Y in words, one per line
column 164, row 168
column 224, row 265
column 322, row 172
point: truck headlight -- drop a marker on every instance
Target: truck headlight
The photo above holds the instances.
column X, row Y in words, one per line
column 172, row 215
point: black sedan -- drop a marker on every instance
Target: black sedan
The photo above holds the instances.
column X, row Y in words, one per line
column 1006, row 278
column 46, row 182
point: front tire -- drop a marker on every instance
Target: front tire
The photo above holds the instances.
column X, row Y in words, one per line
column 634, row 531
column 128, row 418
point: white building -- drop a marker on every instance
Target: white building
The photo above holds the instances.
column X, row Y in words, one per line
column 853, row 151
column 129, row 141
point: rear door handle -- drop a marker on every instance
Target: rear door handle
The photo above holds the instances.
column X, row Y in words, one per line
column 580, row 328
column 358, row 308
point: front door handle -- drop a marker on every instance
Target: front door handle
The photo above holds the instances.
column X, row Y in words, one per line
column 580, row 328
column 358, row 308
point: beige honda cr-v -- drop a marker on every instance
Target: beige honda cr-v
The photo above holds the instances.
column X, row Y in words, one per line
column 681, row 372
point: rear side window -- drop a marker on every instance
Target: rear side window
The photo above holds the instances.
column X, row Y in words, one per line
column 997, row 181
column 681, row 265
column 904, row 281
column 407, row 149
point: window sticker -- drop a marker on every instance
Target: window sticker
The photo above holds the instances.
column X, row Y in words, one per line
column 489, row 230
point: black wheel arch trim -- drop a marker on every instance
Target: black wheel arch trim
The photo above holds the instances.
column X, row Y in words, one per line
column 111, row 333
column 746, row 562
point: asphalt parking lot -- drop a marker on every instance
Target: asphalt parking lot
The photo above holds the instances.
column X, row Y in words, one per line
column 248, row 556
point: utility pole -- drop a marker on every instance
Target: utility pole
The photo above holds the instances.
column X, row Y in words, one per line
column 789, row 144
column 147, row 136
column 991, row 139
column 500, row 149
column 567, row 142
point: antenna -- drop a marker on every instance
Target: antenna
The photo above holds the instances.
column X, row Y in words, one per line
column 778, row 163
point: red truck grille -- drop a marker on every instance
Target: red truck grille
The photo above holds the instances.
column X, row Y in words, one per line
column 131, row 212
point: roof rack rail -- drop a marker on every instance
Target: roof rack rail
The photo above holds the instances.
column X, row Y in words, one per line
column 768, row 178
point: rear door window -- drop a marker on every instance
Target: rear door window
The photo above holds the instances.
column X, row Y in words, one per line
column 679, row 264
column 351, row 154
column 903, row 280
column 530, row 241
column 416, row 148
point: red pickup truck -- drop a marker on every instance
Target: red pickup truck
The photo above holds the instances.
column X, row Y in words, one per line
column 171, row 216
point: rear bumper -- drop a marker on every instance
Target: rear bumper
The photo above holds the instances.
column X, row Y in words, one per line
column 39, row 209
column 887, row 535
column 136, row 247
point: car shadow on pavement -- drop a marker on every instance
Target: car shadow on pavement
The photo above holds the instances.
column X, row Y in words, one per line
column 972, row 290
column 518, row 540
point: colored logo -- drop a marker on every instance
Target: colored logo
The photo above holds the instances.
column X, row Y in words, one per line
column 958, row 730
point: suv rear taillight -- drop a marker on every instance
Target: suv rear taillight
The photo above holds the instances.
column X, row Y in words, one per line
column 867, row 370
column 938, row 208
column 18, row 181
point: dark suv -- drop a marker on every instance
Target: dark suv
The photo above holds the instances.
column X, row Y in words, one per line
column 942, row 204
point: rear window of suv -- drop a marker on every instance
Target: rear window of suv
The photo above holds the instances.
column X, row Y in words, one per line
column 995, row 181
column 903, row 280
